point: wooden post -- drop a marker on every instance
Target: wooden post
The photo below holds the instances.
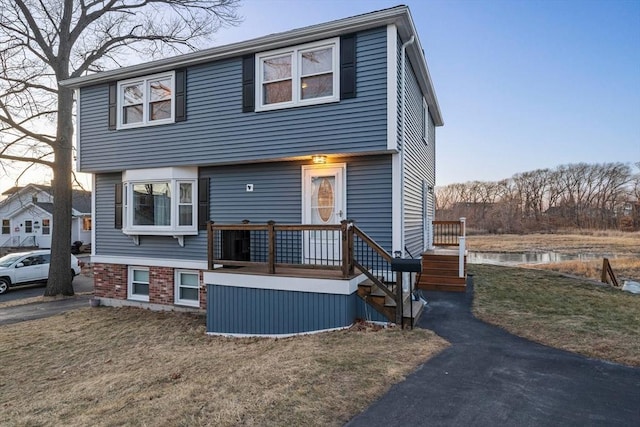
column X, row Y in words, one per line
column 607, row 273
column 399, row 308
column 210, row 245
column 350, row 232
column 345, row 247
column 272, row 247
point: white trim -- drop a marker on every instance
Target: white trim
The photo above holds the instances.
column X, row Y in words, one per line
column 151, row 174
column 296, row 75
column 392, row 87
column 295, row 334
column 130, row 294
column 281, row 283
column 93, row 212
column 146, row 121
column 149, row 262
column 177, row 285
column 396, row 202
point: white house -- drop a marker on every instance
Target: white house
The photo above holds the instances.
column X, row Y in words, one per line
column 27, row 216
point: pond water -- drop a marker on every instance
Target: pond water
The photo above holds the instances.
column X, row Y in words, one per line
column 530, row 257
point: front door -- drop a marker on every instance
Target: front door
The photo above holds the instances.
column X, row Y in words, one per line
column 323, row 203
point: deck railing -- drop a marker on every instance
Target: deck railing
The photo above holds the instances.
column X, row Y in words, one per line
column 331, row 247
column 275, row 245
column 452, row 233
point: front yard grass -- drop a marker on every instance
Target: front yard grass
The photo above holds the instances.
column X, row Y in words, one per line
column 573, row 314
column 125, row 366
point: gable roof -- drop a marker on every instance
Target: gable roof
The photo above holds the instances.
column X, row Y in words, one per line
column 80, row 199
column 398, row 15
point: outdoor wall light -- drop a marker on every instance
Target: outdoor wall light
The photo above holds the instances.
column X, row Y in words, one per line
column 319, row 160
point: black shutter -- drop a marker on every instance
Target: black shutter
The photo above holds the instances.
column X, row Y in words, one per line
column 248, row 84
column 348, row 66
column 181, row 95
column 203, row 203
column 118, row 206
column 113, row 105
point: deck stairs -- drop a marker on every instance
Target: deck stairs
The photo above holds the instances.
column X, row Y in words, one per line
column 373, row 294
column 440, row 272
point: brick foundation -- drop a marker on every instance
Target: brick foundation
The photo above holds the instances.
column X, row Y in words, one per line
column 111, row 281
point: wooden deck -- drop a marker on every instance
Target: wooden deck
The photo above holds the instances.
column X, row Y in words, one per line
column 262, row 270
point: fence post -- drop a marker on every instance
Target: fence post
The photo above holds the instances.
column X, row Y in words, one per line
column 272, row 247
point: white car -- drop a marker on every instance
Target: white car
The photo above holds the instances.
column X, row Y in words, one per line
column 28, row 267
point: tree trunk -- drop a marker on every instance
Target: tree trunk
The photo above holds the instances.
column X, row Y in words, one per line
column 59, row 282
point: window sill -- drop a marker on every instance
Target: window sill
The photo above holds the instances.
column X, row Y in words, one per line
column 289, row 105
column 194, row 304
column 147, row 124
column 139, row 298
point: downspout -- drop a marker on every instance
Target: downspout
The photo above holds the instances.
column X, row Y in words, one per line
column 402, row 139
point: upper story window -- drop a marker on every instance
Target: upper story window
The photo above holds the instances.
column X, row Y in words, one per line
column 160, row 201
column 146, row 101
column 6, row 226
column 302, row 75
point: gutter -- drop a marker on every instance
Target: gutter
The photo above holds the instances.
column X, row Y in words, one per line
column 402, row 136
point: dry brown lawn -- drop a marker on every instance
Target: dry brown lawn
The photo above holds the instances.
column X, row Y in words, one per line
column 113, row 367
column 573, row 314
column 570, row 242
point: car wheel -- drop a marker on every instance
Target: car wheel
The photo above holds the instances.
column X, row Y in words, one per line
column 73, row 275
column 4, row 286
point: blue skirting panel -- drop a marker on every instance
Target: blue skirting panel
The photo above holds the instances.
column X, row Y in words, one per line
column 250, row 311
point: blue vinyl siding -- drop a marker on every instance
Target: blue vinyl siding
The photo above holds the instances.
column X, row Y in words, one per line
column 277, row 196
column 218, row 132
column 235, row 310
column 419, row 160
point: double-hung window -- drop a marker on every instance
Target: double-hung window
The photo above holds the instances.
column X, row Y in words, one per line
column 160, row 201
column 302, row 75
column 6, row 226
column 187, row 288
column 146, row 101
column 138, row 288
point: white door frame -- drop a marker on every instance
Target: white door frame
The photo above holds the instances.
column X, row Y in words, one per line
column 339, row 170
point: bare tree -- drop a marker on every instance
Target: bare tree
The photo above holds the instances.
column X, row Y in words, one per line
column 43, row 42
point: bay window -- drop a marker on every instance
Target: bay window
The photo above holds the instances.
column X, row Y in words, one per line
column 160, row 201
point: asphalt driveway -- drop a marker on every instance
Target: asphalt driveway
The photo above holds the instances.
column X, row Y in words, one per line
column 489, row 377
column 19, row 313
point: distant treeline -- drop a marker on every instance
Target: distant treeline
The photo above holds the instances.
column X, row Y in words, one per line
column 600, row 196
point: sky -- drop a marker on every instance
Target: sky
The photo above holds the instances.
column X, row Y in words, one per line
column 522, row 84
